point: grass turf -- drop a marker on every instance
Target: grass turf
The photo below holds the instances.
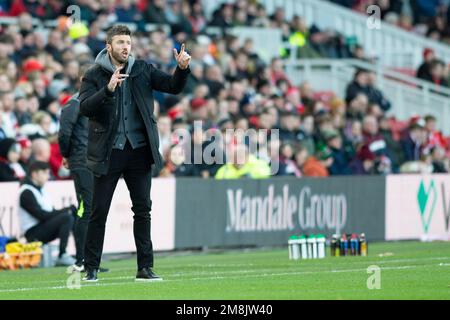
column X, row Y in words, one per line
column 409, row 270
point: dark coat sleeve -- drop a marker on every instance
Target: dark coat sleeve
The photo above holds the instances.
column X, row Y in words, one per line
column 167, row 83
column 7, row 174
column 408, row 149
column 69, row 117
column 91, row 98
column 30, row 204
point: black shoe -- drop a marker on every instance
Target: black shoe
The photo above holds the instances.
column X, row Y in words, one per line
column 103, row 270
column 91, row 276
column 147, row 274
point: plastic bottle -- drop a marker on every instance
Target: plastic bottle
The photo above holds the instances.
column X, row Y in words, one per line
column 363, row 245
column 311, row 240
column 291, row 242
column 344, row 245
column 320, row 239
column 294, row 248
column 303, row 247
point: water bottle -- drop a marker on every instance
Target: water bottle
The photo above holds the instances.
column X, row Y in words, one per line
column 320, row 239
column 334, row 245
column 344, row 245
column 290, row 247
column 303, row 246
column 354, row 244
column 363, row 245
column 311, row 241
column 294, row 248
column 314, row 247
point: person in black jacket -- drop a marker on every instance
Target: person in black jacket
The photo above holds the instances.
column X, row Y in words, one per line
column 358, row 85
column 10, row 168
column 117, row 96
column 72, row 138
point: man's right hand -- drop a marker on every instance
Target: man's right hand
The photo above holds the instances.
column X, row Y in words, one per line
column 65, row 163
column 116, row 79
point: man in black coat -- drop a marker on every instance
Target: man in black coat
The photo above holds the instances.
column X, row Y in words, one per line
column 117, row 96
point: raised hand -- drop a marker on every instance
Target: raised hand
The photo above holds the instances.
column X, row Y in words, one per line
column 183, row 58
column 116, row 79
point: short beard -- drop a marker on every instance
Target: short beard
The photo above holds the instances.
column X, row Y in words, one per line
column 118, row 57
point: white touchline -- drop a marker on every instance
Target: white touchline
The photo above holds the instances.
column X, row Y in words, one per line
column 195, row 273
column 213, row 278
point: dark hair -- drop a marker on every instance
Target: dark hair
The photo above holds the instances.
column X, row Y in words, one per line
column 83, row 68
column 360, row 71
column 430, row 118
column 38, row 166
column 437, row 62
column 116, row 31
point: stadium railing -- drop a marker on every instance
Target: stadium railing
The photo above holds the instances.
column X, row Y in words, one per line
column 393, row 46
column 408, row 95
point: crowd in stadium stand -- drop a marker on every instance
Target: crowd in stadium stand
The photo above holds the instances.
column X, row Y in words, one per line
column 230, row 87
column 429, row 18
column 425, row 17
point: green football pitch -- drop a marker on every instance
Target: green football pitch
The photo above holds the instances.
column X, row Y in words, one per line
column 407, row 270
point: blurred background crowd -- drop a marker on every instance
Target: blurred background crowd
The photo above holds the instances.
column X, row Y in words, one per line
column 230, row 87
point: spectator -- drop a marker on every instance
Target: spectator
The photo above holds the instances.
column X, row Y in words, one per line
column 317, row 166
column 40, row 150
column 165, row 133
column 374, row 95
column 9, row 120
column 301, row 156
column 197, row 18
column 39, row 221
column 126, row 11
column 359, row 85
column 2, row 132
column 306, row 134
column 21, row 110
column 289, row 126
column 25, row 153
column 175, row 163
column 357, row 107
column 287, row 166
column 371, row 159
column 355, row 134
column 223, row 17
column 414, row 141
column 242, row 164
column 424, row 71
column 396, row 151
column 10, row 168
column 439, row 160
column 435, row 137
column 155, row 12
column 437, row 73
column 340, row 157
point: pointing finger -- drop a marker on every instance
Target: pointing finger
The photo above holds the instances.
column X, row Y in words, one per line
column 182, row 48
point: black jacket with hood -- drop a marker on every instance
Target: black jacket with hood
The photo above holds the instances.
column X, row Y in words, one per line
column 101, row 106
column 72, row 135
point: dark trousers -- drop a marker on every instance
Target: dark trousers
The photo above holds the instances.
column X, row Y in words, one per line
column 135, row 165
column 83, row 180
column 57, row 227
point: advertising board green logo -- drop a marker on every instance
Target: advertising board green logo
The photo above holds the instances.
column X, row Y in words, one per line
column 427, row 198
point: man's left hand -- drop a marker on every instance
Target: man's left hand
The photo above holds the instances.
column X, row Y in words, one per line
column 183, row 58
